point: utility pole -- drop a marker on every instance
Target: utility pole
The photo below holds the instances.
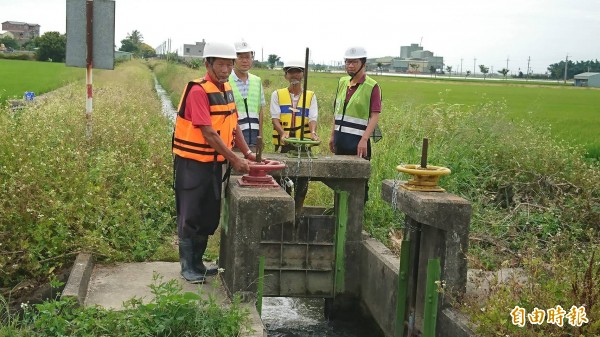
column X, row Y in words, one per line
column 474, row 62
column 507, row 62
column 461, row 66
column 528, row 60
column 566, row 64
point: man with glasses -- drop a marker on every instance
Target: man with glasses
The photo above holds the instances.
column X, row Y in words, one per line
column 287, row 109
column 248, row 92
column 356, row 109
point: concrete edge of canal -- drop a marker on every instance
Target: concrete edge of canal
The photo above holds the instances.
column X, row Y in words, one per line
column 379, row 285
column 109, row 285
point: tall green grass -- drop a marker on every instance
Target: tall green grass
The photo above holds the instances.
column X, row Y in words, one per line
column 62, row 193
column 40, row 77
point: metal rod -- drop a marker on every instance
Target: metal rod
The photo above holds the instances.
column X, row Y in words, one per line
column 304, row 94
column 260, row 286
column 401, row 299
column 424, row 153
column 341, row 205
column 259, row 149
column 431, row 298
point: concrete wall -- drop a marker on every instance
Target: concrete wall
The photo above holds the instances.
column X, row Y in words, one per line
column 379, row 290
column 379, row 283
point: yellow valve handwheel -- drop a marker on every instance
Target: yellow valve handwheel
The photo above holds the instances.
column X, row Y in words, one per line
column 418, row 170
column 423, row 179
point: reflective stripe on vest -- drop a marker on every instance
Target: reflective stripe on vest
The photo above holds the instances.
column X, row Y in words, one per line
column 354, row 116
column 188, row 141
column 248, row 112
column 285, row 117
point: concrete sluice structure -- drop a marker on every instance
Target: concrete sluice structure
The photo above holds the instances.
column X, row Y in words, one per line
column 329, row 256
column 311, row 255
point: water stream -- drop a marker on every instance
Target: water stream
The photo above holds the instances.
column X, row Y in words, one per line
column 167, row 107
column 286, row 316
column 303, row 317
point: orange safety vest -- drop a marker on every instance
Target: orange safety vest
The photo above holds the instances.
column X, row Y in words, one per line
column 188, row 141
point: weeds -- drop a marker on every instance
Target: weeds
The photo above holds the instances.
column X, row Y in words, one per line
column 170, row 313
column 61, row 193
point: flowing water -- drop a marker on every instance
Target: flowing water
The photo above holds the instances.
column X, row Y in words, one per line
column 303, row 317
column 286, row 316
column 167, row 107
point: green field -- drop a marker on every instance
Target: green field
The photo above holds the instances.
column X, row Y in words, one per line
column 573, row 113
column 40, row 77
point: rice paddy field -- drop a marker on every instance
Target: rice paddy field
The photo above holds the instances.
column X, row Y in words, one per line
column 572, row 113
column 17, row 77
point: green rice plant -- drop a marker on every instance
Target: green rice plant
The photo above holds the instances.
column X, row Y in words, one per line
column 19, row 76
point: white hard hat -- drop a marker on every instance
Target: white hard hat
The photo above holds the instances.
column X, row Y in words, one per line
column 220, row 50
column 243, row 47
column 293, row 64
column 355, row 53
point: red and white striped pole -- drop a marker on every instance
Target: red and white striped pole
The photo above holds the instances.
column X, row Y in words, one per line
column 88, row 73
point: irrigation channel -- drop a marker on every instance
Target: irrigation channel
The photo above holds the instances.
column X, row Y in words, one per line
column 287, row 316
column 303, row 317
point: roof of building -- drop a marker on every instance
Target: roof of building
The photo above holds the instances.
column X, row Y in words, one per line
column 20, row 23
column 586, row 75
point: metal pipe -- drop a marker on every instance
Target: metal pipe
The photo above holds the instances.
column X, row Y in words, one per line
column 304, row 94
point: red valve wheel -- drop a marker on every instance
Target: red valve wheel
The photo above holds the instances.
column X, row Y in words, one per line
column 258, row 177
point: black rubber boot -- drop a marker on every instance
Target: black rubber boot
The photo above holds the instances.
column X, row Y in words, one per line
column 187, row 252
column 200, row 243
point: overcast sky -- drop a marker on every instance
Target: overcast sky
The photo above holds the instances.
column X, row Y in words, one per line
column 490, row 31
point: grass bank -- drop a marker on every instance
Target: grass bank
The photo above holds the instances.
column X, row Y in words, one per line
column 62, row 193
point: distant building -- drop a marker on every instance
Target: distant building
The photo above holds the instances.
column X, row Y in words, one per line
column 422, row 60
column 22, row 31
column 406, row 51
column 4, row 34
column 123, row 55
column 379, row 64
column 587, row 80
column 194, row 50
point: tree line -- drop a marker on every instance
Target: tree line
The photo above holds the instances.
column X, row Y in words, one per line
column 52, row 46
column 557, row 70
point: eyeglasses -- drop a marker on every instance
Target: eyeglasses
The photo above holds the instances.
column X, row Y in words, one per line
column 354, row 61
column 245, row 57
